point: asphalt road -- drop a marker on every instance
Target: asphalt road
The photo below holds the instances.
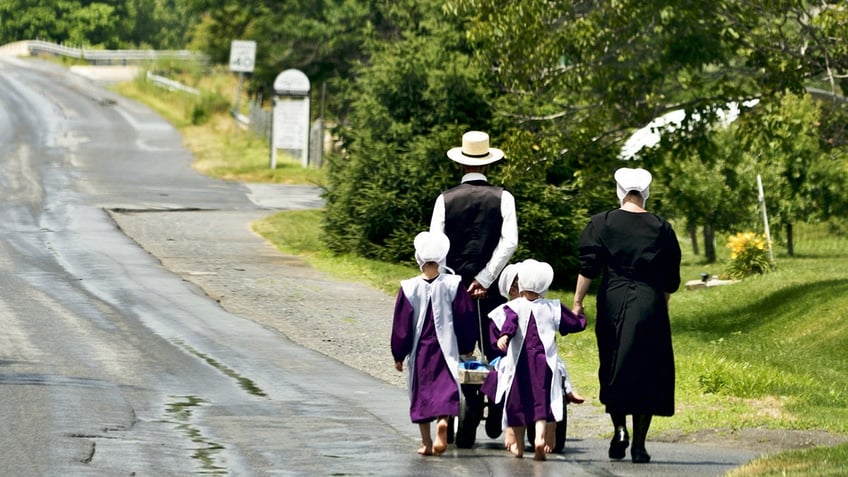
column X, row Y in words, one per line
column 147, row 331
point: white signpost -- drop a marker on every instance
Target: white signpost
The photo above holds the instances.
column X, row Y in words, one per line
column 762, row 198
column 242, row 60
column 242, row 56
column 290, row 119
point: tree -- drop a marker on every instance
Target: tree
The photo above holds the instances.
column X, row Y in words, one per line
column 412, row 100
column 784, row 136
column 109, row 24
column 572, row 70
column 93, row 25
column 37, row 19
column 324, row 39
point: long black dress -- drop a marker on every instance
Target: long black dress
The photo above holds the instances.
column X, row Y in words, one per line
column 639, row 257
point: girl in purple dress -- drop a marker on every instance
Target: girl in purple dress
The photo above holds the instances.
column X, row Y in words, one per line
column 434, row 321
column 508, row 288
column 529, row 376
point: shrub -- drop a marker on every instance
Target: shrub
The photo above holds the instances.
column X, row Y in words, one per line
column 206, row 107
column 748, row 255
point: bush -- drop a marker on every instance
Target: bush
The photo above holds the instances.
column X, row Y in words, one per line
column 749, row 255
column 208, row 106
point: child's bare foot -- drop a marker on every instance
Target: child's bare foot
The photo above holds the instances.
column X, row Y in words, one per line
column 550, row 436
column 426, row 439
column 509, row 438
column 441, row 443
column 516, row 450
column 540, row 449
column 575, row 398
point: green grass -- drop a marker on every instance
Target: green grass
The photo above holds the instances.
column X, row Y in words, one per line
column 769, row 351
column 299, row 233
column 816, row 462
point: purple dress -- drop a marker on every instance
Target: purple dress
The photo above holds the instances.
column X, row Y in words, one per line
column 530, row 394
column 434, row 391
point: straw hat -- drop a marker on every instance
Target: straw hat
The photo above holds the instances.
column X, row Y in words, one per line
column 475, row 150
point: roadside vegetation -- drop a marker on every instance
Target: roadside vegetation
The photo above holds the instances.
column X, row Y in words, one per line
column 766, row 352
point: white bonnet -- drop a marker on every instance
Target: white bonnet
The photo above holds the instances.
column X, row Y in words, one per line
column 627, row 179
column 507, row 278
column 431, row 247
column 535, row 276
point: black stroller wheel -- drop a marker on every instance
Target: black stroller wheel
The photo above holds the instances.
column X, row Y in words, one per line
column 470, row 413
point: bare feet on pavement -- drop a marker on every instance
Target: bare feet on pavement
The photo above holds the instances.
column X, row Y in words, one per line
column 441, row 443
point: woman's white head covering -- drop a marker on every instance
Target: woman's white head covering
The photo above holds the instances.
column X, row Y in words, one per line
column 507, row 278
column 535, row 276
column 432, row 247
column 627, row 179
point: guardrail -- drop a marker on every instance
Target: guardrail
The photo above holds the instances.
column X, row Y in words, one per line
column 171, row 84
column 109, row 56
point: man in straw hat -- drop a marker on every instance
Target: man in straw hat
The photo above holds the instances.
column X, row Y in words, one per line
column 479, row 219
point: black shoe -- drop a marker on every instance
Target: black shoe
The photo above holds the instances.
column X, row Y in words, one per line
column 639, row 455
column 618, row 444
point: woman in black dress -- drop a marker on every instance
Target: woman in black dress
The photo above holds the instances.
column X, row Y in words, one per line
column 638, row 256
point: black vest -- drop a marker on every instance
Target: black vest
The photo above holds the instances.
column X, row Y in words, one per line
column 473, row 224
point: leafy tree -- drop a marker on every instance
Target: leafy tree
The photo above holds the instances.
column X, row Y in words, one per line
column 106, row 23
column 93, row 25
column 324, row 39
column 798, row 175
column 412, row 101
column 573, row 70
column 697, row 177
column 35, row 19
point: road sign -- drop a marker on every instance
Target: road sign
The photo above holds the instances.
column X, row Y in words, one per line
column 242, row 55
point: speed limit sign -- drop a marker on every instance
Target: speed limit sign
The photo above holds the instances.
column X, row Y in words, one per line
column 242, row 56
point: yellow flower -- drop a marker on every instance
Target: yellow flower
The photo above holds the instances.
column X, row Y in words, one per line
column 743, row 241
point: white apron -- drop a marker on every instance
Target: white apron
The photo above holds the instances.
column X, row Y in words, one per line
column 547, row 314
column 440, row 293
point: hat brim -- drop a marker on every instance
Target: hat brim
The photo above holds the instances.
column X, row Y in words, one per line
column 455, row 154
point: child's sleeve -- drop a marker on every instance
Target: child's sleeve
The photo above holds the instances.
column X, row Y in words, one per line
column 510, row 326
column 570, row 322
column 402, row 326
column 494, row 334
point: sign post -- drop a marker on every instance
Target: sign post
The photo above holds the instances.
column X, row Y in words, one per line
column 242, row 60
column 762, row 198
